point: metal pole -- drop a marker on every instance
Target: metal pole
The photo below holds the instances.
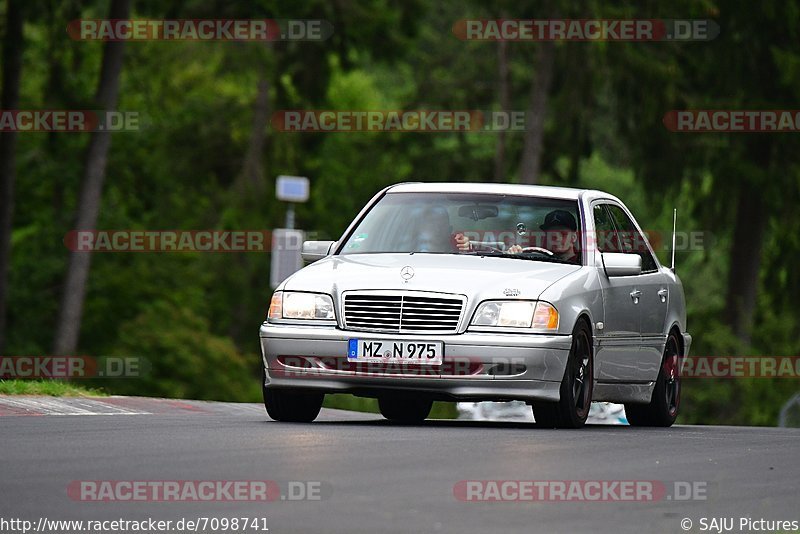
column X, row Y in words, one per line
column 290, row 216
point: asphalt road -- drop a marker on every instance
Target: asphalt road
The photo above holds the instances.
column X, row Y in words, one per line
column 373, row 476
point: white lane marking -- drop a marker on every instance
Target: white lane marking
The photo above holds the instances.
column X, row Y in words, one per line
column 65, row 406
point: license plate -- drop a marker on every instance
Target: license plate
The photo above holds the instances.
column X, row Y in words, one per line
column 413, row 352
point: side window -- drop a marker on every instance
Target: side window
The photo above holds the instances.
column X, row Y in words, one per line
column 630, row 239
column 605, row 234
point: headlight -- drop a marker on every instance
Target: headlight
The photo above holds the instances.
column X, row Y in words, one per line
column 294, row 305
column 517, row 314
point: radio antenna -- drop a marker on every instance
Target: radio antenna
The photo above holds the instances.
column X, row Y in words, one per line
column 674, row 227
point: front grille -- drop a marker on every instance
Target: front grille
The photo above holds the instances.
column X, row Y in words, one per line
column 402, row 312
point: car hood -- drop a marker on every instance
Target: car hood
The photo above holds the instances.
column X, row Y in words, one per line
column 473, row 276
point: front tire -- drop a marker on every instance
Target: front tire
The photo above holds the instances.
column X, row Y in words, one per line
column 663, row 407
column 405, row 410
column 291, row 406
column 572, row 409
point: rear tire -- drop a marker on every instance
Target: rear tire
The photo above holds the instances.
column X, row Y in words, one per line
column 663, row 407
column 405, row 409
column 572, row 409
column 291, row 406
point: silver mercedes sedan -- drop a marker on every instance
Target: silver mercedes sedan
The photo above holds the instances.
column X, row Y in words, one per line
column 471, row 292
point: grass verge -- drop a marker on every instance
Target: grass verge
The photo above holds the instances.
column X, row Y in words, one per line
column 52, row 388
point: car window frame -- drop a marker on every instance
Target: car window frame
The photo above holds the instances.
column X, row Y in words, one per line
column 602, row 206
column 609, row 202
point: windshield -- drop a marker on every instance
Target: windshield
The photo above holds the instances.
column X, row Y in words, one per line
column 463, row 223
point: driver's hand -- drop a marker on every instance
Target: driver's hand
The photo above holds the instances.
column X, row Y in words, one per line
column 514, row 249
column 462, row 242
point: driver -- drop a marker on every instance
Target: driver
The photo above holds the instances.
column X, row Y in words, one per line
column 433, row 230
column 561, row 236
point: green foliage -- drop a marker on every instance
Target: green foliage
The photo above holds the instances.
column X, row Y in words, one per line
column 184, row 360
column 195, row 316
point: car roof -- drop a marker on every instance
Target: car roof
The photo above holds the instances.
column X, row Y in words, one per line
column 566, row 193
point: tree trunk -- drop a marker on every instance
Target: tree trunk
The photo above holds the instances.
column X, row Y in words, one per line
column 12, row 66
column 530, row 166
column 748, row 240
column 575, row 154
column 505, row 104
column 745, row 261
column 60, row 94
column 253, row 168
column 68, row 329
column 250, row 188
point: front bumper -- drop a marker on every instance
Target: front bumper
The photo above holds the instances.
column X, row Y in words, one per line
column 477, row 366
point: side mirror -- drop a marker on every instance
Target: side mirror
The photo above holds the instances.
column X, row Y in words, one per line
column 316, row 250
column 617, row 264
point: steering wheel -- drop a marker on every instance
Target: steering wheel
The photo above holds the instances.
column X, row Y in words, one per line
column 487, row 248
column 537, row 249
column 480, row 246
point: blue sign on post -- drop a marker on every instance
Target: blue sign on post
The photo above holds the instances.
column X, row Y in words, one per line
column 292, row 188
column 287, row 243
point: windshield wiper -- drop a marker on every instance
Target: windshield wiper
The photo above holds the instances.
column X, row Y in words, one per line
column 540, row 256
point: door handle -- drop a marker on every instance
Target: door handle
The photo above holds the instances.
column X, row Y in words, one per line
column 663, row 294
column 635, row 294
